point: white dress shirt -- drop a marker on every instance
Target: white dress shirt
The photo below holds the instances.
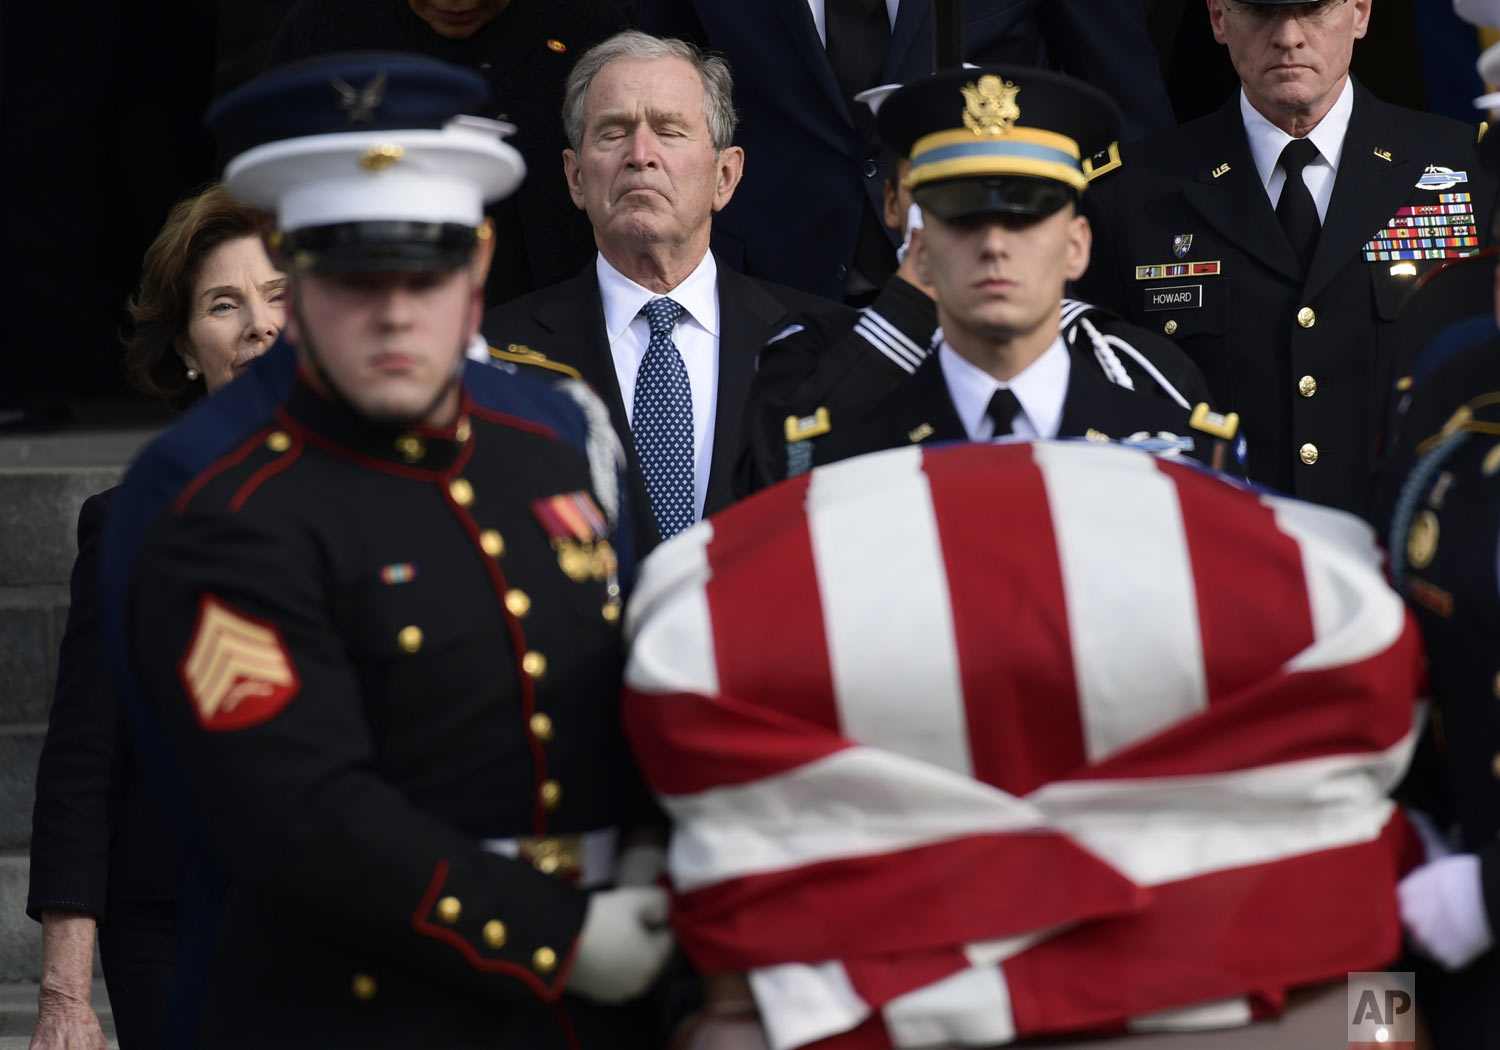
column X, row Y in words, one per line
column 1041, row 388
column 696, row 336
column 820, row 17
column 1267, row 141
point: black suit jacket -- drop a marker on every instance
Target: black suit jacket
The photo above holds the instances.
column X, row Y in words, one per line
column 921, row 411
column 1305, row 359
column 100, row 835
column 566, row 322
column 810, row 171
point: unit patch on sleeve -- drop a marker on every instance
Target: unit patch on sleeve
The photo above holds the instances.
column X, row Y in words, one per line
column 236, row 670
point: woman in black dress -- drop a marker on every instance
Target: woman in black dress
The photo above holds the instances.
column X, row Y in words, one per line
column 103, row 855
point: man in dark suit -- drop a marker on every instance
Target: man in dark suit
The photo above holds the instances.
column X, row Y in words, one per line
column 998, row 159
column 1275, row 239
column 798, row 65
column 663, row 330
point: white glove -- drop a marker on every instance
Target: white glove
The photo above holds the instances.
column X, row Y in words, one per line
column 624, row 944
column 640, row 865
column 1442, row 908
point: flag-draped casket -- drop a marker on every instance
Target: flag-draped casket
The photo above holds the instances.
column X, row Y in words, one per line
column 977, row 743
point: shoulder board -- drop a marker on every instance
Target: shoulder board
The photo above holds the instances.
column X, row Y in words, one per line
column 519, row 354
column 1103, row 162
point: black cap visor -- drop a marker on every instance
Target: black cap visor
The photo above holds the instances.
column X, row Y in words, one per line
column 356, row 247
column 993, row 195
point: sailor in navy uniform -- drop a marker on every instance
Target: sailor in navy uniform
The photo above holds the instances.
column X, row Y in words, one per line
column 1285, row 291
column 997, row 165
column 381, row 630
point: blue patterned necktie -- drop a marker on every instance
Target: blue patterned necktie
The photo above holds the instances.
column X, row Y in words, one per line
column 662, row 422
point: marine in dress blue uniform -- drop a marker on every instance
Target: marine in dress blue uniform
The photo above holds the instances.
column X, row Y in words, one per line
column 383, row 653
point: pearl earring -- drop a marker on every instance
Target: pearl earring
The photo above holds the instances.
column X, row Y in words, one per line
column 192, row 374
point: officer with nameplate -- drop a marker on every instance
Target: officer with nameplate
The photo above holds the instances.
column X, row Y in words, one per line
column 382, row 632
column 997, row 169
column 1276, row 238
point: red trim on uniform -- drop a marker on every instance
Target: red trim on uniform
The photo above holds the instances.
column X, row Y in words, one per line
column 505, row 419
column 422, row 927
column 518, row 643
column 317, row 440
column 270, row 470
column 217, row 467
column 566, row 1024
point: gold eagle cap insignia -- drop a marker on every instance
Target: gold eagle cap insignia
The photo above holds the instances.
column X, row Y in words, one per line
column 990, row 108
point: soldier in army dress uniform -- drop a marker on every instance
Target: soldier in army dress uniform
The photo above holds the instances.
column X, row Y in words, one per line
column 1285, row 290
column 996, row 165
column 382, row 633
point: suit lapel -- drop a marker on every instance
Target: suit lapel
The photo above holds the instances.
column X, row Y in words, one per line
column 1366, row 192
column 576, row 318
column 1225, row 189
column 926, row 403
column 746, row 316
column 911, row 16
column 804, row 33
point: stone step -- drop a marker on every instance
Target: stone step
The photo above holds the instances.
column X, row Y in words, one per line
column 32, row 619
column 20, row 746
column 39, row 520
column 20, row 937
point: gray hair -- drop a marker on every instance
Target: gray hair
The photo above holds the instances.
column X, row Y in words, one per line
column 718, row 83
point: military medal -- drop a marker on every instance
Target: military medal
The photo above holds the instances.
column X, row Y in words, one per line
column 577, row 528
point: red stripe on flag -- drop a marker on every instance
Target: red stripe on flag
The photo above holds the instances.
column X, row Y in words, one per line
column 1011, row 627
column 1247, row 632
column 767, row 616
column 685, row 743
column 1352, row 709
column 1278, row 925
column 905, row 900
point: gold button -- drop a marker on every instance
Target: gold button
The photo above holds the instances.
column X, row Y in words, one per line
column 546, row 863
column 1495, row 767
column 410, row 638
column 534, row 664
column 611, row 612
column 411, row 447
column 1307, row 386
column 462, row 431
column 278, row 441
column 461, row 491
column 1306, row 317
column 1422, row 540
column 1309, row 453
column 1497, row 687
column 1170, row 328
column 491, row 543
column 517, row 602
column 544, row 960
column 494, row 933
column 541, row 726
column 364, row 986
column 551, row 793
column 448, row 910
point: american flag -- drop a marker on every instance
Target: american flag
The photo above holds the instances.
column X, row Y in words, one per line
column 977, row 743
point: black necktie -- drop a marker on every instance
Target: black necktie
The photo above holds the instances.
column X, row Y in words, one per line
column 1002, row 410
column 1295, row 209
column 858, row 34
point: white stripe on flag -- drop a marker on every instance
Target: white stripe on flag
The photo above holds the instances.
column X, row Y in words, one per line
column 800, row 1004
column 1355, row 613
column 676, row 655
column 1138, row 663
column 970, row 1008
column 858, row 802
column 1225, row 1013
column 1164, row 829
column 884, row 590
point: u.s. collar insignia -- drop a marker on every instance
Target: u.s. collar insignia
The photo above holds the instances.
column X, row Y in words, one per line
column 236, row 670
column 919, row 433
column 990, row 108
column 360, row 103
column 1437, row 178
column 1182, row 244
